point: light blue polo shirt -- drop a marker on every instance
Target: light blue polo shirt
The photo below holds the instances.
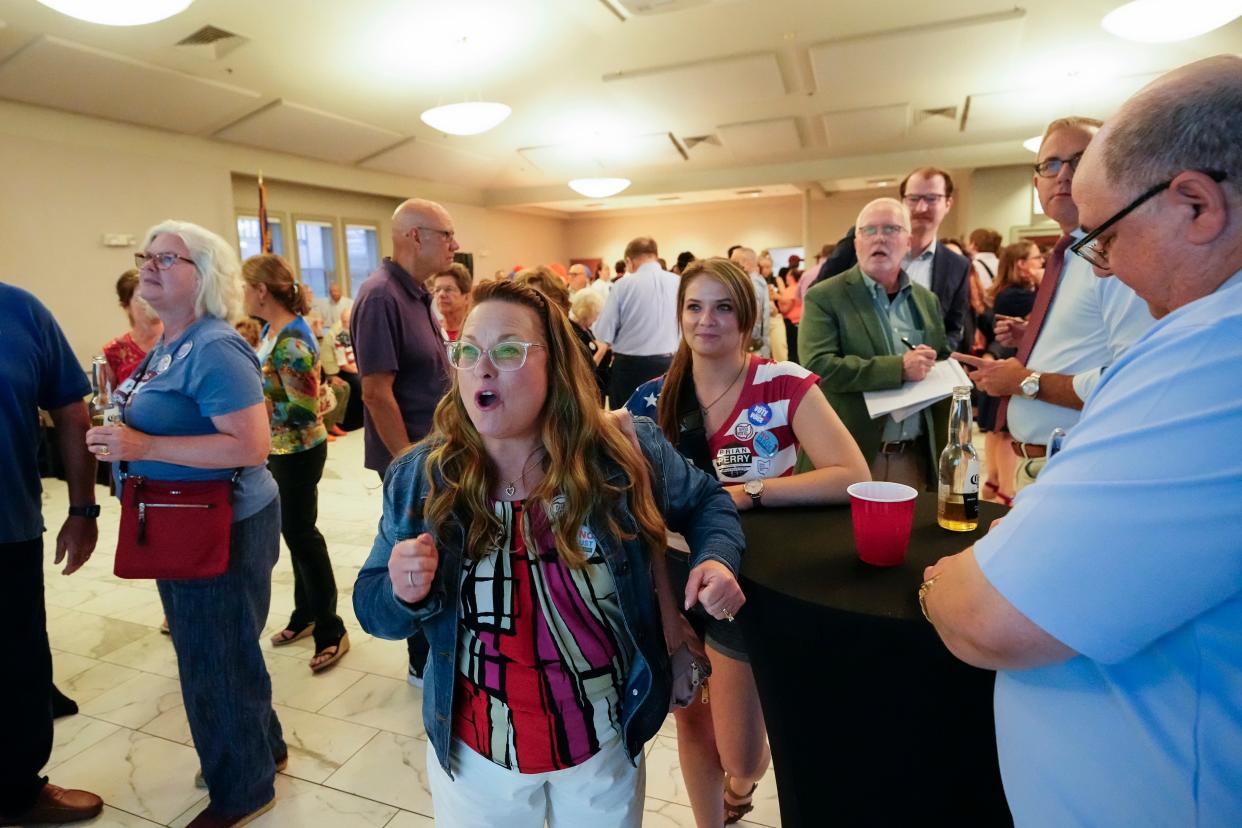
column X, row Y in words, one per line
column 1129, row 550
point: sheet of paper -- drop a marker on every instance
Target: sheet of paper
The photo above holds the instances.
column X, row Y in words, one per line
column 913, row 397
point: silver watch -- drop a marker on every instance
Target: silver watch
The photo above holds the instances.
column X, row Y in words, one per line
column 754, row 488
column 1030, row 386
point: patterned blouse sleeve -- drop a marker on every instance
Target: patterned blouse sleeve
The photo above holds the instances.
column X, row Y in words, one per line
column 298, row 368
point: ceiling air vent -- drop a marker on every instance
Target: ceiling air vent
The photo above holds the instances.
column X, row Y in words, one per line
column 212, row 42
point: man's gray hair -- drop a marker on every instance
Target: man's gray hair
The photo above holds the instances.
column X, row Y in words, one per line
column 1175, row 127
column 885, row 202
column 747, row 258
column 219, row 291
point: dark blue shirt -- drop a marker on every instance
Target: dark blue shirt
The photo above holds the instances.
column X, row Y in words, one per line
column 37, row 370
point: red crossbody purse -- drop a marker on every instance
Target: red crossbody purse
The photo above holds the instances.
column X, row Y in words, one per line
column 173, row 529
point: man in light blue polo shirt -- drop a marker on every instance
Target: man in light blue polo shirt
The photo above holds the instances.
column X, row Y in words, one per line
column 1110, row 598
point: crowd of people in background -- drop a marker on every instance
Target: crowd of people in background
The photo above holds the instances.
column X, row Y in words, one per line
column 505, row 418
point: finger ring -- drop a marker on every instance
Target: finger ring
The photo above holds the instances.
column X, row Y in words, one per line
column 409, row 576
column 728, row 615
column 104, row 451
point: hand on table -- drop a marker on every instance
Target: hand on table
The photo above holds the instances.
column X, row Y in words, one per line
column 412, row 568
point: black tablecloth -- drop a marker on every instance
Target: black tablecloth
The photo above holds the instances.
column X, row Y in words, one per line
column 871, row 720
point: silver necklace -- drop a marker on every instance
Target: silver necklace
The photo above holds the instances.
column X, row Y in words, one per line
column 511, row 487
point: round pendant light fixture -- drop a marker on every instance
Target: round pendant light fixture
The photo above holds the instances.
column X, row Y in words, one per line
column 1166, row 21
column 467, row 118
column 118, row 12
column 598, row 187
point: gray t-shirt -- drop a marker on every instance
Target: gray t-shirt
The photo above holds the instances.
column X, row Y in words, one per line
column 207, row 371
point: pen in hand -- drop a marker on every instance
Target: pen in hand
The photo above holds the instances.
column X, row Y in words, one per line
column 908, row 344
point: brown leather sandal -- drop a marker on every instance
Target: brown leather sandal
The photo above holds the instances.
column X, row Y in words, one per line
column 744, row 804
column 334, row 652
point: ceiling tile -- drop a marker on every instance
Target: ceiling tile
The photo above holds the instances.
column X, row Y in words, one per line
column 1033, row 109
column 61, row 74
column 850, row 129
column 424, row 159
column 288, row 127
column 724, row 82
column 605, row 154
column 761, row 139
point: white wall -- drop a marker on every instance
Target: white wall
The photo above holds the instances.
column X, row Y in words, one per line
column 1000, row 198
column 65, row 180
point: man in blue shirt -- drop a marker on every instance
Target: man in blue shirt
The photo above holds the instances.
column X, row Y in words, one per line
column 37, row 370
column 1110, row 598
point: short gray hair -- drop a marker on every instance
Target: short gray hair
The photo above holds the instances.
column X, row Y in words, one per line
column 1179, row 126
column 747, row 258
column 219, row 292
column 885, row 202
column 586, row 303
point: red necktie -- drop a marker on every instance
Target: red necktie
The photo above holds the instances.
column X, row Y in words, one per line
column 1035, row 322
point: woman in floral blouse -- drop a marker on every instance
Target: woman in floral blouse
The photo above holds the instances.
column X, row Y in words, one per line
column 289, row 355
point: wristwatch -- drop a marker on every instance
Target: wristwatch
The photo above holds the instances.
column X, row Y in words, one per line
column 91, row 511
column 1030, row 385
column 754, row 488
column 925, row 588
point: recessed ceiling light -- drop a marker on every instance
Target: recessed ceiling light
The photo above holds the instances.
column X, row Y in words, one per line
column 1033, row 144
column 468, row 118
column 118, row 12
column 1164, row 21
column 598, row 187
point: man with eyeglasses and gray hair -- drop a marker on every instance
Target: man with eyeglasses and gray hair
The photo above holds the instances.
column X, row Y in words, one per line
column 872, row 328
column 1110, row 599
column 1079, row 326
column 399, row 348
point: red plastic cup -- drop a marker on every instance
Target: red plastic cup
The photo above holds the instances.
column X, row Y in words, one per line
column 883, row 514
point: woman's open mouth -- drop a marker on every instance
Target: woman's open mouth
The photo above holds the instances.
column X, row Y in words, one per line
column 486, row 400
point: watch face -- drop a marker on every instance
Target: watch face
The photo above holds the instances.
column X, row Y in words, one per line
column 753, row 487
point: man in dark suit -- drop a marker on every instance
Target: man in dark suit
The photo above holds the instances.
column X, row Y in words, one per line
column 928, row 195
column 852, row 332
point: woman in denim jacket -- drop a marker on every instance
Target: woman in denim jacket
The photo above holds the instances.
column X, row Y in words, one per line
column 518, row 535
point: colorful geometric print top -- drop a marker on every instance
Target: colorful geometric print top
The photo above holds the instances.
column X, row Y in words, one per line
column 291, row 385
column 756, row 440
column 543, row 652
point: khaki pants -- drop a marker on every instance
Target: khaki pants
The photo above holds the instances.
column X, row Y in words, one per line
column 1027, row 471
column 904, row 467
column 780, row 345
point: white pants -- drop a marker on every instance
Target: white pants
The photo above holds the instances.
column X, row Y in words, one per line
column 606, row 791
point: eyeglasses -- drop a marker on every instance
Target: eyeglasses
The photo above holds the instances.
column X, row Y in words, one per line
column 447, row 234
column 885, row 229
column 1051, row 167
column 930, row 199
column 163, row 261
column 506, row 356
column 1094, row 248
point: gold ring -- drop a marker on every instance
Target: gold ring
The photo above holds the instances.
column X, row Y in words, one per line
column 104, row 451
column 728, row 615
column 409, row 576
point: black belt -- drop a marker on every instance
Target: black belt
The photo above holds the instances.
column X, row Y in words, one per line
column 896, row 446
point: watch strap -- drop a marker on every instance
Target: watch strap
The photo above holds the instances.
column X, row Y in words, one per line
column 91, row 511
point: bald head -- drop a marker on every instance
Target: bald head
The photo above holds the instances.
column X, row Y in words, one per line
column 745, row 258
column 423, row 240
column 1171, row 159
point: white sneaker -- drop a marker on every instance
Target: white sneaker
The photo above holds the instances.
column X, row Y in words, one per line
column 415, row 678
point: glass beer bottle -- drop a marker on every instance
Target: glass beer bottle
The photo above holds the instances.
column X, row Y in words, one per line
column 103, row 408
column 957, row 504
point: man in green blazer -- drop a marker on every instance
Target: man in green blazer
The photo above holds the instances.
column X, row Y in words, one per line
column 854, row 333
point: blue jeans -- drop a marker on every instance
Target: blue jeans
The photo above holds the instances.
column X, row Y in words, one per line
column 216, row 623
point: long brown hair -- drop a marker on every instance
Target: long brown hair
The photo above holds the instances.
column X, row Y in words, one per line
column 680, row 381
column 274, row 272
column 1007, row 275
column 577, row 439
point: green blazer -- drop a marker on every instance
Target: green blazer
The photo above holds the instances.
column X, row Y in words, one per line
column 841, row 340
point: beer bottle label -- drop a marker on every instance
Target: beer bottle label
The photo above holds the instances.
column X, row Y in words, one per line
column 970, row 497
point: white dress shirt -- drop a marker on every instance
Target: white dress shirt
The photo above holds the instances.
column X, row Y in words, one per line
column 640, row 316
column 919, row 268
column 1090, row 324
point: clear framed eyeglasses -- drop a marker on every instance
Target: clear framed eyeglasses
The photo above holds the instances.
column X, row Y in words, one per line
column 506, row 356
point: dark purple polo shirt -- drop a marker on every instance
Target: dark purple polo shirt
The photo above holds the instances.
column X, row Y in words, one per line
column 395, row 331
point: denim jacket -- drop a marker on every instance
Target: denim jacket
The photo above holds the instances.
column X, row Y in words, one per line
column 691, row 502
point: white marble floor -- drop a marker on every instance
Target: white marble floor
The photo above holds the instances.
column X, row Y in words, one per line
column 355, row 733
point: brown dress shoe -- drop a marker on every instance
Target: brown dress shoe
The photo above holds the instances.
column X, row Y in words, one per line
column 58, row 805
column 208, row 819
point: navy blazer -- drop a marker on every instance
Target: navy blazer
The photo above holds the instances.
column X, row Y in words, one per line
column 950, row 281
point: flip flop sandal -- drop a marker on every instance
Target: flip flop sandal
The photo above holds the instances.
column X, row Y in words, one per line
column 734, row 811
column 280, row 639
column 341, row 648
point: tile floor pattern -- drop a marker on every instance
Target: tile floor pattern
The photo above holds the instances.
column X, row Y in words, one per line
column 355, row 733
